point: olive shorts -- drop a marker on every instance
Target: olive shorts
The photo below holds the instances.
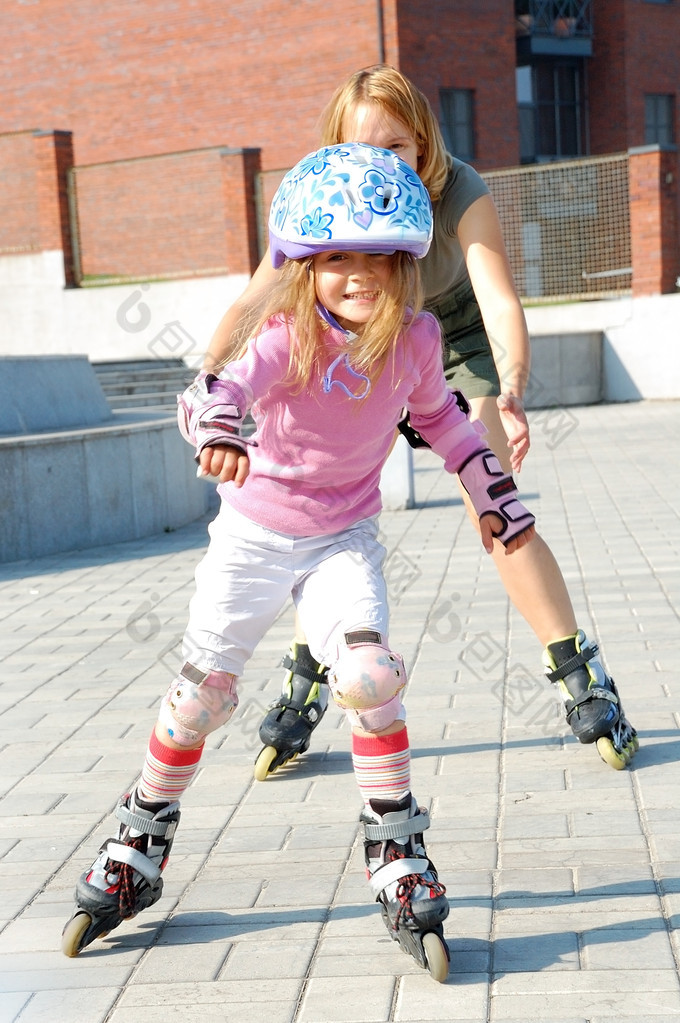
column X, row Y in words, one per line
column 468, row 360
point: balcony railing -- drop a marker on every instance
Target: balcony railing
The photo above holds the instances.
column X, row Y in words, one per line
column 554, row 26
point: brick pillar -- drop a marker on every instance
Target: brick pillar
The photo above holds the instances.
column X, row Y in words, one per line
column 655, row 245
column 54, row 159
column 240, row 168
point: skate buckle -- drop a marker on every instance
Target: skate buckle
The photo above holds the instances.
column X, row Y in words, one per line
column 397, row 829
column 135, row 821
column 396, row 870
column 595, row 693
column 573, row 663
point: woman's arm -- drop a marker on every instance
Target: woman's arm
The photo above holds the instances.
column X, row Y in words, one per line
column 481, row 240
column 220, row 343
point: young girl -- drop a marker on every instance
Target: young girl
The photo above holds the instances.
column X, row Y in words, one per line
column 468, row 284
column 339, row 351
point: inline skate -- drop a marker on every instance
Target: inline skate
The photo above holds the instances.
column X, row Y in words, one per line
column 591, row 699
column 287, row 727
column 404, row 881
column 126, row 876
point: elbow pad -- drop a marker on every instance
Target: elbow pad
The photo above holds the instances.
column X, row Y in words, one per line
column 207, row 420
column 493, row 492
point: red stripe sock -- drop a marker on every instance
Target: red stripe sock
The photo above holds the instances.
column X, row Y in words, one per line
column 167, row 772
column 382, row 765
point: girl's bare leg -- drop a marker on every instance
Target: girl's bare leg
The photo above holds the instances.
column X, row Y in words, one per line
column 531, row 576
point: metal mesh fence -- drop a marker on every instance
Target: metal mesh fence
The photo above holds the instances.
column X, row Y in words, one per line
column 566, row 227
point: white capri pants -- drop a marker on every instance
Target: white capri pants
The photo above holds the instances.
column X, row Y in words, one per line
column 249, row 572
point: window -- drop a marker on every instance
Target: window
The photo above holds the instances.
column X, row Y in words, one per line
column 550, row 110
column 526, row 112
column 457, row 107
column 659, row 119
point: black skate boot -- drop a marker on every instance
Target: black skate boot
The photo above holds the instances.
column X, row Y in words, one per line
column 591, row 699
column 126, row 876
column 287, row 727
column 404, row 881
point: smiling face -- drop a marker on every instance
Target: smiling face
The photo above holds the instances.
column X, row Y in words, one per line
column 348, row 284
column 370, row 124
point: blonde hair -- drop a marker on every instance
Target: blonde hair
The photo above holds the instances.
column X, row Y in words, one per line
column 393, row 93
column 293, row 301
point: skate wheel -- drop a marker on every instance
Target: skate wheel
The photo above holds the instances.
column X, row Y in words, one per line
column 73, row 933
column 263, row 764
column 631, row 748
column 437, row 957
column 609, row 754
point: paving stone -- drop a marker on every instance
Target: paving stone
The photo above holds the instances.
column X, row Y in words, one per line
column 563, row 875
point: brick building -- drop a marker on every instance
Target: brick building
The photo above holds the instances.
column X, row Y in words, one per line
column 243, row 83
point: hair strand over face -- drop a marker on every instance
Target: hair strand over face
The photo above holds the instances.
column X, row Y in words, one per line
column 293, row 300
column 393, row 93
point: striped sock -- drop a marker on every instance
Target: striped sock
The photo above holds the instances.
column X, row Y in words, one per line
column 167, row 772
column 382, row 765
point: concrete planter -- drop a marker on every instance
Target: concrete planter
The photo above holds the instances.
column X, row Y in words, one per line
column 64, row 489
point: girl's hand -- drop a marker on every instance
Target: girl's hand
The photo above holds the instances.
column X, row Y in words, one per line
column 489, row 526
column 224, row 463
column 514, row 421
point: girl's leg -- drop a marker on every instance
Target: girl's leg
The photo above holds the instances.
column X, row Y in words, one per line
column 531, row 576
column 402, row 877
column 286, row 728
column 534, row 582
column 382, row 762
column 236, row 601
column 241, row 585
column 126, row 877
column 343, row 606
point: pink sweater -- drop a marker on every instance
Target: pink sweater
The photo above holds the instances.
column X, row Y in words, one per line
column 316, row 467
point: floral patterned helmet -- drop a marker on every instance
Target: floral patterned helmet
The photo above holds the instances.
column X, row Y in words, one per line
column 352, row 197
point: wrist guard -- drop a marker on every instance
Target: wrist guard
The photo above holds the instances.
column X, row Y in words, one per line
column 492, row 492
column 206, row 419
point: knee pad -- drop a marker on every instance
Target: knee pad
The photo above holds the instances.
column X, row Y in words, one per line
column 367, row 679
column 198, row 703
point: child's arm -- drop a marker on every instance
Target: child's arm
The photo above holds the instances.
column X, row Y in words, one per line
column 493, row 494
column 450, row 434
column 213, row 424
column 224, row 463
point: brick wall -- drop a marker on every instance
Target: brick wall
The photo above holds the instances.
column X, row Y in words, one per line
column 182, row 214
column 132, row 80
column 20, row 222
column 135, row 79
column 635, row 51
column 469, row 47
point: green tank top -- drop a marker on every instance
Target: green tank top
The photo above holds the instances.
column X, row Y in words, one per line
column 443, row 268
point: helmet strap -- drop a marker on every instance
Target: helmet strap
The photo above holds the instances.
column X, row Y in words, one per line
column 327, row 315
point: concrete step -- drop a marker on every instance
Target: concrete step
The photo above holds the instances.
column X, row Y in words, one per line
column 143, row 399
column 152, row 369
column 171, row 385
column 143, row 383
column 151, row 384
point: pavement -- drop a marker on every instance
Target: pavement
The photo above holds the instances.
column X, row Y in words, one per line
column 563, row 874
